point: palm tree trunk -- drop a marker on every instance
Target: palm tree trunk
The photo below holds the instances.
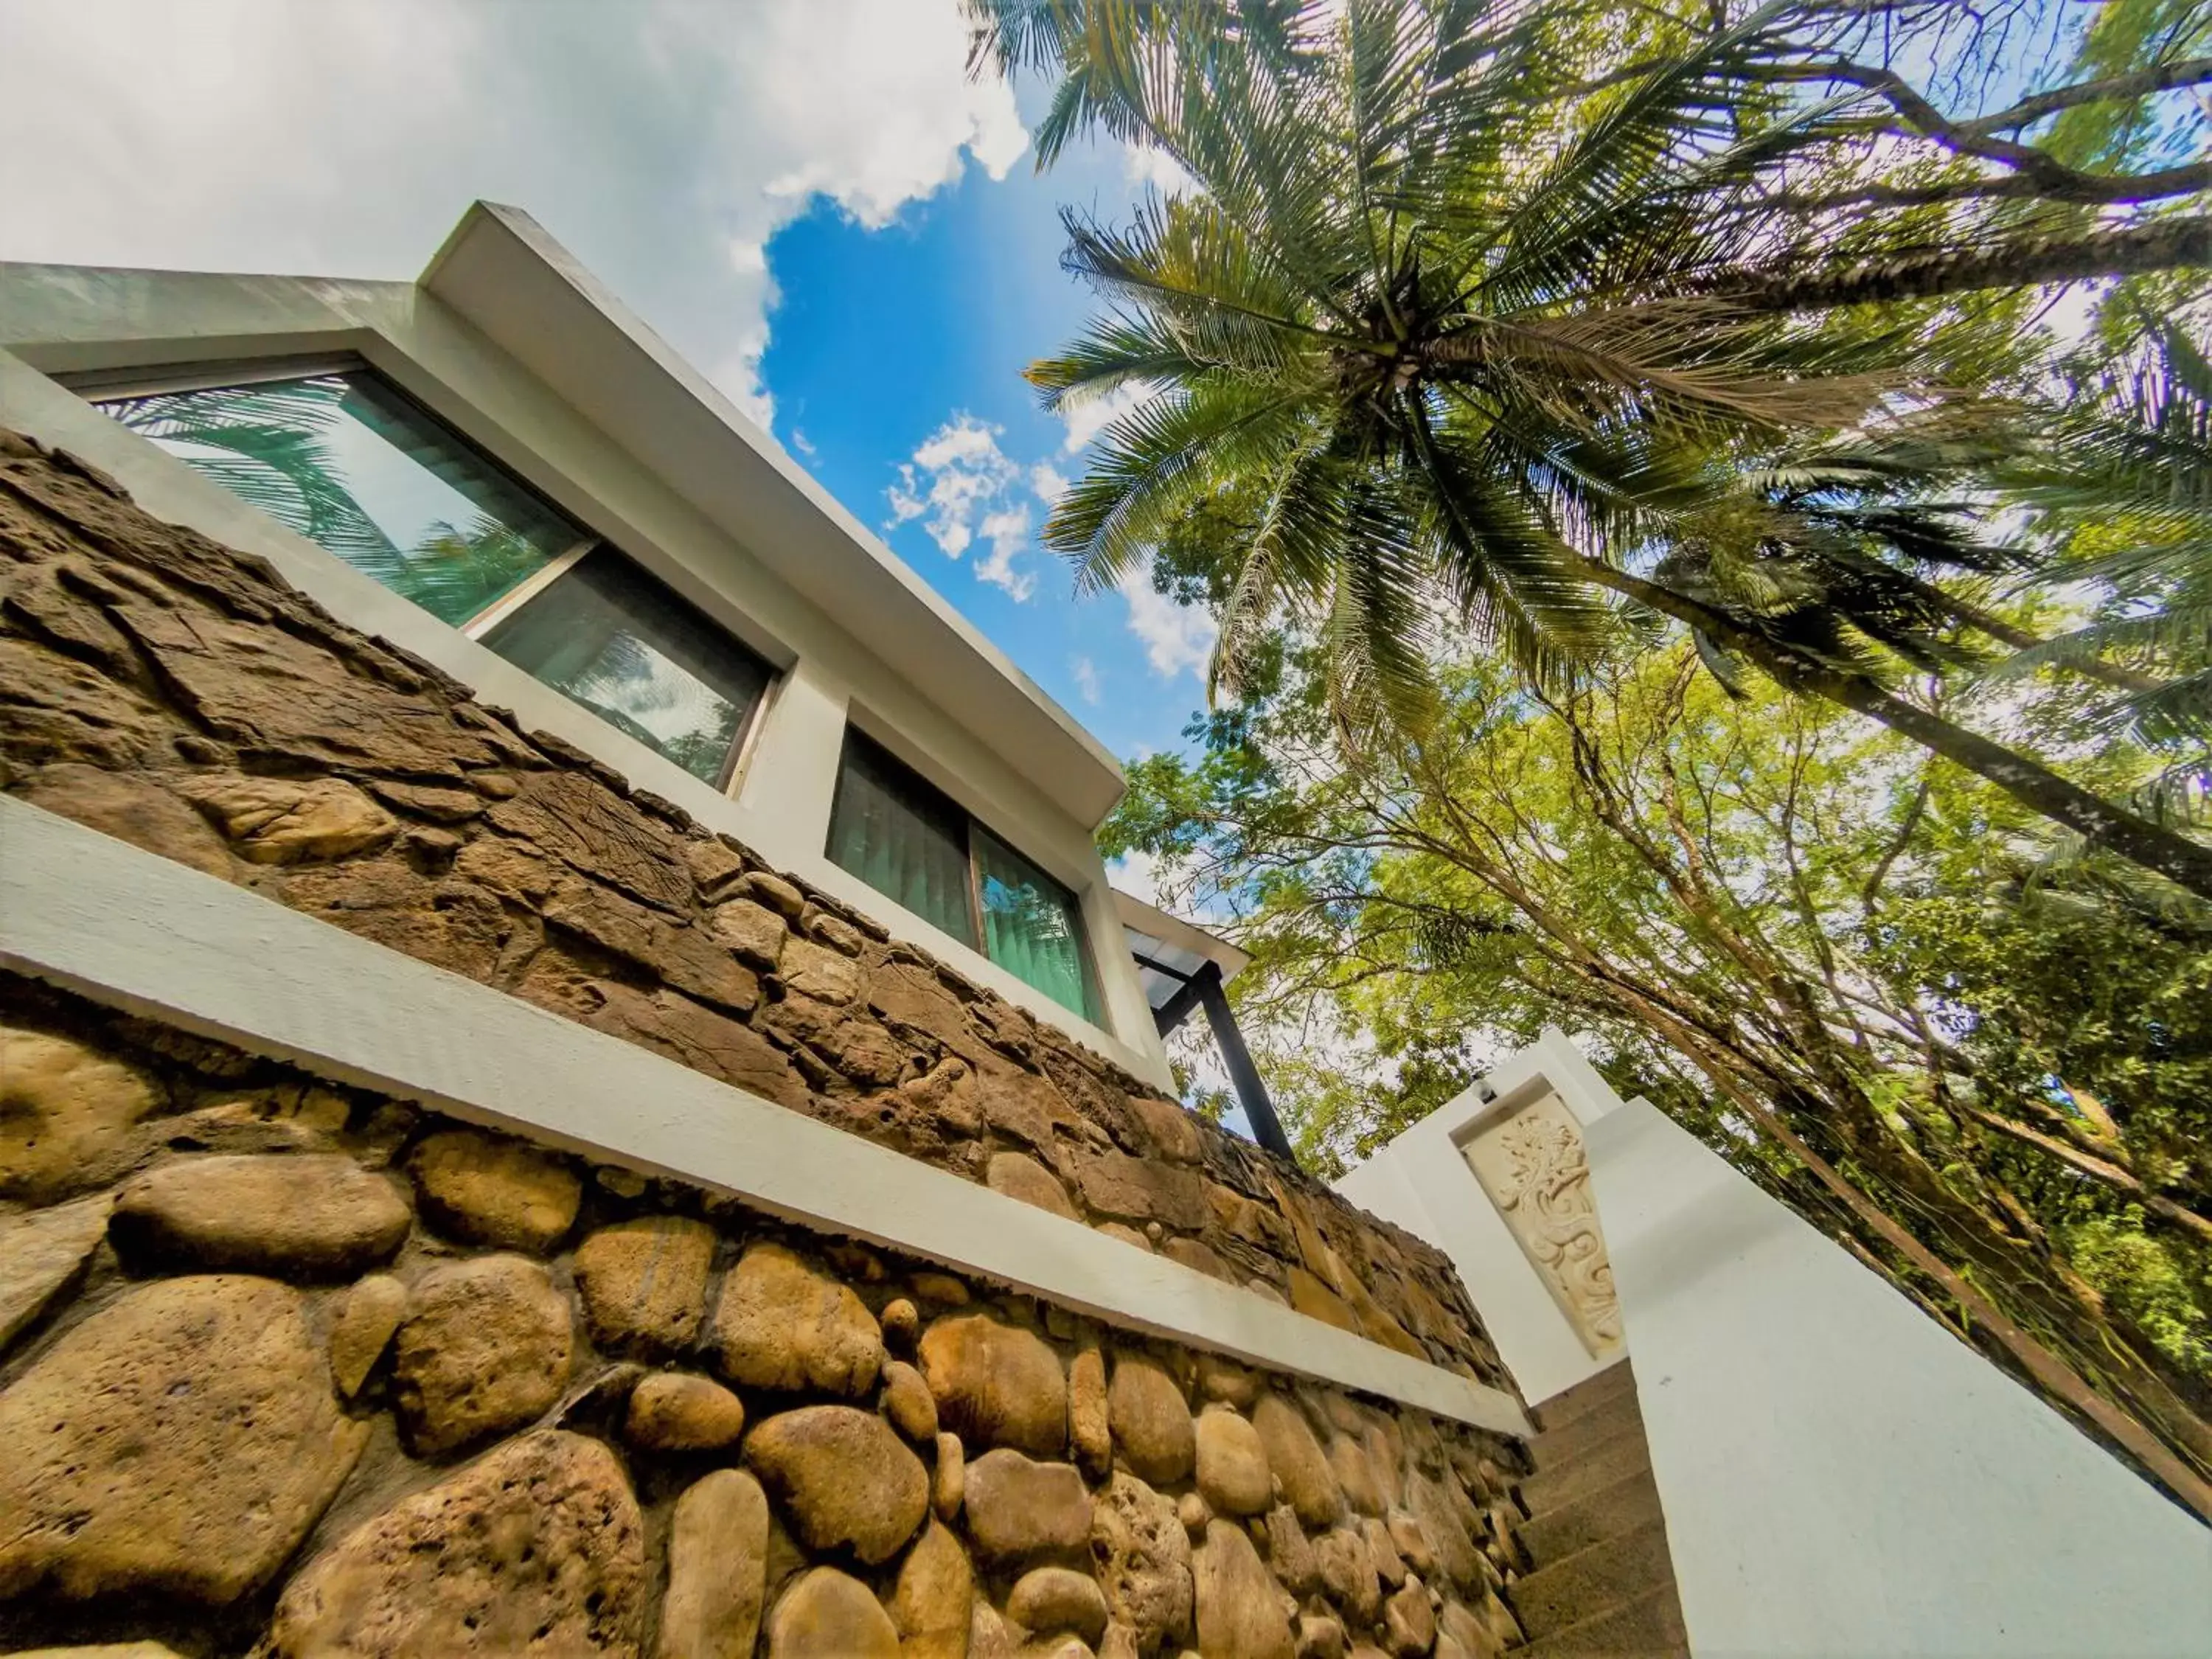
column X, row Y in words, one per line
column 2187, row 863
column 2026, row 262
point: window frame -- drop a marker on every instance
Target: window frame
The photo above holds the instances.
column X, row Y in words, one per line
column 1094, row 985
column 99, row 388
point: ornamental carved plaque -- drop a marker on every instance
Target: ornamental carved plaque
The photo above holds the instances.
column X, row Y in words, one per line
column 1532, row 1168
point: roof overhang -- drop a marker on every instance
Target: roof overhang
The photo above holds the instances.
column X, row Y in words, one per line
column 501, row 271
column 1178, row 946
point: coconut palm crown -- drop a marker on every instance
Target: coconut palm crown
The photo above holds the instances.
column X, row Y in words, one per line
column 1482, row 358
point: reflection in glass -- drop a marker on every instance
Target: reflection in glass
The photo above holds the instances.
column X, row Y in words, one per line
column 353, row 466
column 1031, row 927
column 612, row 638
column 902, row 837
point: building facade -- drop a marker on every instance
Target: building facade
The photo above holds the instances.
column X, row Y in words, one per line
column 570, row 1080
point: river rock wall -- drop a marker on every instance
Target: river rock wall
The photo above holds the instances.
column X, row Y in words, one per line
column 290, row 1370
column 178, row 695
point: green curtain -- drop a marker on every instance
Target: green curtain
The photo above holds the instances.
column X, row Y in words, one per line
column 1031, row 927
column 903, row 839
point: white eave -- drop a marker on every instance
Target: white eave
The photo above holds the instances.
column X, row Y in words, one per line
column 509, row 279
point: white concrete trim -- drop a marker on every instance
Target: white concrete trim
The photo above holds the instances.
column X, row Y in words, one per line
column 138, row 932
column 1842, row 1475
column 1421, row 1181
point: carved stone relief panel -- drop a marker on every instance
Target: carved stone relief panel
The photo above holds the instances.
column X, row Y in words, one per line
column 1531, row 1165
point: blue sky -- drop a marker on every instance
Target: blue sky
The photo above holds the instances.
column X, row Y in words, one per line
column 810, row 199
column 886, row 338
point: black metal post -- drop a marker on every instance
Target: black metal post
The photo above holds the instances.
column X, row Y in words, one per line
column 1267, row 1128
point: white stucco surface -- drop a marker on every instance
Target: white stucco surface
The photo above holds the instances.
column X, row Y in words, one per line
column 1841, row 1477
column 1420, row 1181
column 674, row 480
column 138, row 932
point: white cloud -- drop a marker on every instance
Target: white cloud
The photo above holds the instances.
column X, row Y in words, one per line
column 1085, row 672
column 1088, row 416
column 1048, row 483
column 664, row 141
column 1175, row 637
column 961, row 484
column 1142, row 164
column 1008, row 532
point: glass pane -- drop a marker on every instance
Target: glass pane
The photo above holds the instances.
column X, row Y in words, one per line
column 355, row 467
column 615, row 639
column 902, row 837
column 1031, row 927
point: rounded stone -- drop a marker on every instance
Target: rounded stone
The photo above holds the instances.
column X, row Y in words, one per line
column 1089, row 1422
column 1227, row 1381
column 1347, row 1574
column 486, row 1346
column 901, row 1323
column 362, row 1329
column 828, row 1615
column 42, row 1254
column 643, row 1283
column 1017, row 1508
column 537, row 1548
column 1195, row 1512
column 909, row 1403
column 1290, row 1554
column 1409, row 1623
column 66, row 1113
column 717, row 1569
column 490, row 1189
column 672, row 1412
column 1355, row 1475
column 932, row 1602
column 1241, row 1613
column 1320, row 1636
column 843, row 1479
column 1047, row 1600
column 996, row 1385
column 1435, row 1509
column 1296, row 1459
column 1389, row 1565
column 1020, row 1176
column 782, row 1323
column 948, row 1483
column 1412, row 1543
column 182, row 1441
column 308, row 1215
column 1140, row 1550
column 1151, row 1419
column 1232, row 1463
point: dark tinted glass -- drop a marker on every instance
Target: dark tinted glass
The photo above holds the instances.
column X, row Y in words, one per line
column 616, row 639
column 1031, row 927
column 357, row 468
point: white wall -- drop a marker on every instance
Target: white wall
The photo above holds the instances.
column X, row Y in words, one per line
column 1840, row 1476
column 1420, row 1181
column 85, row 319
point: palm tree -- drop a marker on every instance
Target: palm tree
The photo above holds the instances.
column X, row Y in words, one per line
column 1478, row 385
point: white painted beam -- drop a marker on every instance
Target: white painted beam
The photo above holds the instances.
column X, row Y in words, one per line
column 135, row 931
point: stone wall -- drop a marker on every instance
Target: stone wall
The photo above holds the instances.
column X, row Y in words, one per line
column 176, row 694
column 290, row 1370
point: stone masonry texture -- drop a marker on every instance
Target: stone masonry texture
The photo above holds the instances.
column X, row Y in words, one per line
column 299, row 1433
column 287, row 1368
column 176, row 694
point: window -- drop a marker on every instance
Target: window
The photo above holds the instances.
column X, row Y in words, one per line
column 358, row 469
column 912, row 845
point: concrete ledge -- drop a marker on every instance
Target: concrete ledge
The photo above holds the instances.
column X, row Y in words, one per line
column 131, row 930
